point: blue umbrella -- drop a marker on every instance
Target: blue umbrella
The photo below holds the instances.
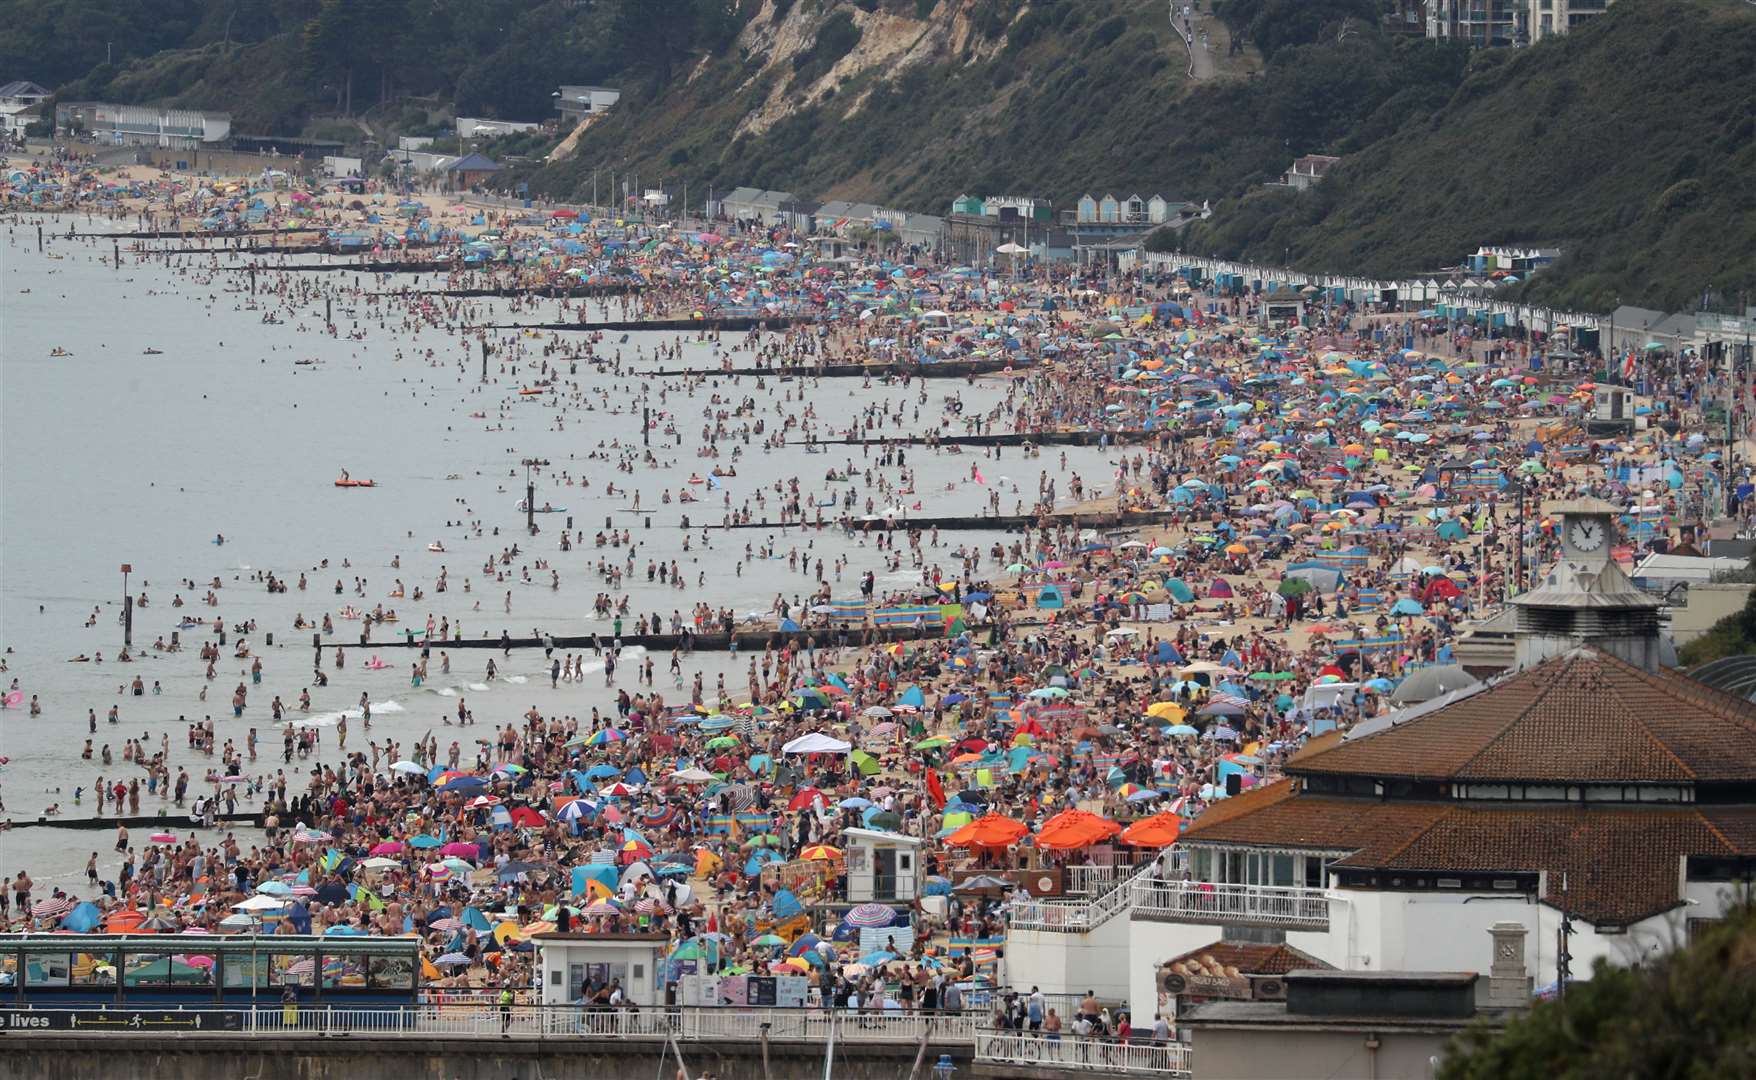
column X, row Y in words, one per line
column 463, row 783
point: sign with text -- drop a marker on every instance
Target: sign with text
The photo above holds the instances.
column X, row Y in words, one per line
column 135, row 1021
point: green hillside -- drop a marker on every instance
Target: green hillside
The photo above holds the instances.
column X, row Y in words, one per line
column 1000, row 96
column 1630, row 144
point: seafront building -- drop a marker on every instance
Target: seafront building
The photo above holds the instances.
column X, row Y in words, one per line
column 1600, row 802
column 145, row 125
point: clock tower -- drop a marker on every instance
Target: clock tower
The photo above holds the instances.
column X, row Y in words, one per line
column 1585, row 598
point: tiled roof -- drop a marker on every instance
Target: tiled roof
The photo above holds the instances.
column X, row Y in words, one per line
column 1583, row 717
column 1249, row 958
column 1619, row 864
column 1278, row 816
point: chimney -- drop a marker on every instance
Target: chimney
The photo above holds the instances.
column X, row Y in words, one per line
column 1509, row 987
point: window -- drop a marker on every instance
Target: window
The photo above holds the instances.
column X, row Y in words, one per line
column 291, row 969
column 390, row 973
column 47, row 969
column 344, row 972
column 163, row 971
column 93, row 969
column 1283, row 871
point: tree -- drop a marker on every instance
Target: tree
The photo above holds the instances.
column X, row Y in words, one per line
column 1691, row 1014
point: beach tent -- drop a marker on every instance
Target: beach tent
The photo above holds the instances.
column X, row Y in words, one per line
column 817, row 743
column 1049, row 598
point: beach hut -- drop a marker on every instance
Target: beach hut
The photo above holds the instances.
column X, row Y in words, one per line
column 569, row 961
column 883, row 866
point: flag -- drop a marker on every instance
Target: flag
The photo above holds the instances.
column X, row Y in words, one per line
column 935, row 789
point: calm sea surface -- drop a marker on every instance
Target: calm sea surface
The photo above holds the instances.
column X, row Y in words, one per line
column 112, row 456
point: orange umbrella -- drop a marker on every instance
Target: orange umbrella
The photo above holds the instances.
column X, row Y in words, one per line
column 989, row 831
column 1159, row 830
column 1073, row 829
column 822, row 852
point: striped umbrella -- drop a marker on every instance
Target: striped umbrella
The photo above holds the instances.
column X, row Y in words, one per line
column 52, row 908
column 871, row 916
column 651, row 906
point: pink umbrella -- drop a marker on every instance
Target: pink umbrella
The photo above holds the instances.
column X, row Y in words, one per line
column 462, row 850
column 162, row 838
column 388, row 847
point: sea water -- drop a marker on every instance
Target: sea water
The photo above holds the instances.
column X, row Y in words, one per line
column 111, row 456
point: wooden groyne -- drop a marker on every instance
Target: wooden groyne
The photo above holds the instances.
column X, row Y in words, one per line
column 968, row 522
column 949, row 369
column 1039, row 438
column 730, row 322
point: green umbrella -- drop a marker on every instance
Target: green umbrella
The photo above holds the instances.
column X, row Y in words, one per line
column 764, row 840
column 1293, row 587
column 721, row 741
column 769, row 941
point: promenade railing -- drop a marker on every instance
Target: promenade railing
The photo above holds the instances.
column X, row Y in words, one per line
column 1074, row 1053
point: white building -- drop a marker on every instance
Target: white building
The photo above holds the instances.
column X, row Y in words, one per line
column 883, row 866
column 20, row 106
column 144, row 125
column 1592, row 788
column 575, row 103
column 469, row 127
column 568, row 961
column 1550, row 17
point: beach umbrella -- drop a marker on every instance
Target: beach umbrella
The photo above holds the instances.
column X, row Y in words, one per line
column 53, row 907
column 275, row 888
column 870, row 916
column 1158, row 831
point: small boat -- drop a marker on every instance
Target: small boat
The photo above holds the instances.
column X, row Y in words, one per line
column 543, row 509
column 152, row 352
column 531, row 391
column 435, row 546
column 58, row 351
column 348, row 483
column 304, row 363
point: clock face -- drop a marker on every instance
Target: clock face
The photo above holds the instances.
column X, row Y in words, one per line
column 1586, row 535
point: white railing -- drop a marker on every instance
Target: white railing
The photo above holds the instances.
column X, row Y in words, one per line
column 1212, row 902
column 1081, row 916
column 547, row 1021
column 1075, row 1053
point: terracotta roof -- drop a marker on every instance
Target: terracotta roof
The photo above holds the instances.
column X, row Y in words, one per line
column 1278, row 816
column 1583, row 717
column 1620, row 864
column 1249, row 958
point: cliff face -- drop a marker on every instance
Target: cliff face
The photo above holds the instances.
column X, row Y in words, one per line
column 907, row 102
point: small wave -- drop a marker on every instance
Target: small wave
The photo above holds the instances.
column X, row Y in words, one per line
column 446, row 691
column 478, row 686
column 517, row 679
column 388, row 706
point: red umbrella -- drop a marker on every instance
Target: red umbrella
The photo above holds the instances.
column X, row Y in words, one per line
column 524, row 815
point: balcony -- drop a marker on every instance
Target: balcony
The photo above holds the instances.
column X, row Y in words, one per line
column 1161, row 900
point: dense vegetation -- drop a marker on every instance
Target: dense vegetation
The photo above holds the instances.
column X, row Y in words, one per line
column 274, row 64
column 1630, row 144
column 1047, row 99
column 1689, row 1014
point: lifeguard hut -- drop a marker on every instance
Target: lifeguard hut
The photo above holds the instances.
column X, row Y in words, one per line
column 882, row 866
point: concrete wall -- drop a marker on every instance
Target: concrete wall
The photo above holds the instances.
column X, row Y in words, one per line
column 1255, row 1054
column 120, row 1057
column 1101, row 961
column 1707, row 605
